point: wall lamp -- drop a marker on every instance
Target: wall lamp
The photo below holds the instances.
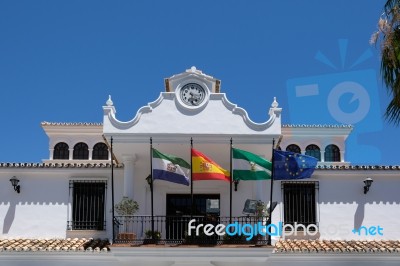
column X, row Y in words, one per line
column 149, row 180
column 236, row 183
column 368, row 182
column 14, row 182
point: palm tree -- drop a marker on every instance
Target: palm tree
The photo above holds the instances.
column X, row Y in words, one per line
column 388, row 35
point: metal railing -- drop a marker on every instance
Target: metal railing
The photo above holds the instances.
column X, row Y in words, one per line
column 136, row 229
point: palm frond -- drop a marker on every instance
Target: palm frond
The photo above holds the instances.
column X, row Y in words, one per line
column 389, row 31
column 390, row 5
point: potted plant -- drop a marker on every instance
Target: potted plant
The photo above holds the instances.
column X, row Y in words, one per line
column 261, row 215
column 125, row 207
column 151, row 237
column 261, row 209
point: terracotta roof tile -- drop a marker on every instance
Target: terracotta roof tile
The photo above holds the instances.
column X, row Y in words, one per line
column 45, row 123
column 76, row 244
column 58, row 165
column 316, row 126
column 337, row 246
column 358, row 167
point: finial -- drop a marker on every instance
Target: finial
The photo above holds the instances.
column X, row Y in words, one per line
column 109, row 101
column 274, row 103
column 193, row 69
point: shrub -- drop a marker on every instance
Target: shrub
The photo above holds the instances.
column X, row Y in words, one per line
column 126, row 206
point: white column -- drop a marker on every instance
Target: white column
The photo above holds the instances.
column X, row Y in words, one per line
column 71, row 154
column 322, row 155
column 51, row 154
column 90, row 153
column 129, row 171
column 342, row 156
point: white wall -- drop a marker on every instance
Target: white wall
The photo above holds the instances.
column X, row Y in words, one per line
column 43, row 206
column 343, row 206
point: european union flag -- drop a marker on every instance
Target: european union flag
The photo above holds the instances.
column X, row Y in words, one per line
column 290, row 165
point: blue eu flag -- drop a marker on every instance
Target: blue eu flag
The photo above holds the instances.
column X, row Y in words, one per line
column 290, row 165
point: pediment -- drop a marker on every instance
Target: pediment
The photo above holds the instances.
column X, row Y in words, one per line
column 192, row 75
column 171, row 116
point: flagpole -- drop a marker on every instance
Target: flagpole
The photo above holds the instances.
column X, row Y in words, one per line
column 272, row 186
column 112, row 189
column 151, row 188
column 191, row 178
column 230, row 186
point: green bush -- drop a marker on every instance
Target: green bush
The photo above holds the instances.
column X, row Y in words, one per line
column 150, row 234
column 126, row 206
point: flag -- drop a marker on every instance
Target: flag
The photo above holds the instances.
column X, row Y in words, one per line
column 290, row 165
column 203, row 168
column 248, row 166
column 170, row 168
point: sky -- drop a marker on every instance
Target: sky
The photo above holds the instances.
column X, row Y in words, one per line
column 59, row 61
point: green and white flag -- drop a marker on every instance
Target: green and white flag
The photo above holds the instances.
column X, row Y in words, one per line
column 248, row 166
column 170, row 168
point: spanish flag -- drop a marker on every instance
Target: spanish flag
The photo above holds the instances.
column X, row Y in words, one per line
column 203, row 168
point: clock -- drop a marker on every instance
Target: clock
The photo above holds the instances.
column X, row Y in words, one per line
column 192, row 94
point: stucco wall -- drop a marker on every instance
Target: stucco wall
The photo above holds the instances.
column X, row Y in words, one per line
column 342, row 205
column 42, row 208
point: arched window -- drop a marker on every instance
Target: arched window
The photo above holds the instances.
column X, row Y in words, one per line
column 81, row 151
column 314, row 151
column 61, row 151
column 100, row 151
column 293, row 148
column 332, row 153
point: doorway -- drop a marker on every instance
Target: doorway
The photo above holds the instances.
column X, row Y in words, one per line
column 206, row 209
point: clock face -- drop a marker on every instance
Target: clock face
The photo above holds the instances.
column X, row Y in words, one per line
column 192, row 94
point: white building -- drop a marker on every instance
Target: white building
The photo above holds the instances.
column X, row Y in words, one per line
column 70, row 194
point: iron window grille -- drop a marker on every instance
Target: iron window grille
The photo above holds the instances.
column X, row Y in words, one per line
column 293, row 148
column 61, row 151
column 88, row 204
column 314, row 151
column 100, row 152
column 299, row 202
column 81, row 151
column 332, row 153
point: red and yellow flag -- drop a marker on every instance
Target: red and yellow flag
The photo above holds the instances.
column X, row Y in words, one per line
column 203, row 168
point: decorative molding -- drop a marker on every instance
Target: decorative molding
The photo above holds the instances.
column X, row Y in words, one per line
column 179, row 138
column 143, row 110
column 358, row 167
column 58, row 165
column 274, row 112
column 45, row 123
column 316, row 126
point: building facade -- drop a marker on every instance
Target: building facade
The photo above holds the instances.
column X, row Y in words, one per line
column 71, row 193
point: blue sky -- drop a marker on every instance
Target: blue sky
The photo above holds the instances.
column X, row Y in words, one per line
column 59, row 61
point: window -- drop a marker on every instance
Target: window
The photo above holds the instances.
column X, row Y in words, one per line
column 332, row 153
column 88, row 205
column 100, row 152
column 61, row 151
column 299, row 202
column 293, row 148
column 81, row 151
column 314, row 151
